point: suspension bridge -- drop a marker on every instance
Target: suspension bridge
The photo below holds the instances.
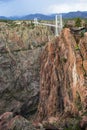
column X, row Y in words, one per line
column 58, row 24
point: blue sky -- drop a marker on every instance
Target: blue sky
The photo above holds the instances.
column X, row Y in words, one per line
column 24, row 7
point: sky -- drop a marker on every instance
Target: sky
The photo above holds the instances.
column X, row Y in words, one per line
column 25, row 7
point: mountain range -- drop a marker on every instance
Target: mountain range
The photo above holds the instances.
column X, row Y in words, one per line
column 81, row 14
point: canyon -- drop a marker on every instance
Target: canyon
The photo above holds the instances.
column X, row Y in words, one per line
column 43, row 79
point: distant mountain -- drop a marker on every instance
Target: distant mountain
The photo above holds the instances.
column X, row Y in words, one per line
column 81, row 14
column 3, row 17
column 75, row 14
column 39, row 16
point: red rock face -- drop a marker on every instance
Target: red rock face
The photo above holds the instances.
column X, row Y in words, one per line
column 63, row 82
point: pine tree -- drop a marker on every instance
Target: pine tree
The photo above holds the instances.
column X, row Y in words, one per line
column 78, row 22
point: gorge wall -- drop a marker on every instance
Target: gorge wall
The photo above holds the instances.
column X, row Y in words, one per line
column 21, row 45
column 63, row 77
column 53, row 75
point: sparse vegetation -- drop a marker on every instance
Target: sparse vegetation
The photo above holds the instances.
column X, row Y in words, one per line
column 82, row 34
column 5, row 20
column 78, row 102
column 77, row 47
column 32, row 25
column 73, row 127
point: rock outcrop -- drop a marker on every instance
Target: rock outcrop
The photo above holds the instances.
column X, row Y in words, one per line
column 10, row 122
column 63, row 77
column 20, row 49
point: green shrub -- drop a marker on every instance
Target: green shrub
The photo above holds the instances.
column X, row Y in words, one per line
column 32, row 26
column 78, row 102
column 82, row 34
column 74, row 127
column 78, row 22
column 77, row 47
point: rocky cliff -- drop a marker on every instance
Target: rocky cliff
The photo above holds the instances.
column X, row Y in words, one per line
column 63, row 78
column 21, row 44
column 53, row 75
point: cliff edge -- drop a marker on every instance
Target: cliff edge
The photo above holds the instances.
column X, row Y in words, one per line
column 63, row 77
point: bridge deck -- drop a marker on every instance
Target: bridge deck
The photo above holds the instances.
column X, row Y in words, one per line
column 51, row 25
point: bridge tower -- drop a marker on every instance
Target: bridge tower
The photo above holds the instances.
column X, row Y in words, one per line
column 61, row 22
column 35, row 21
column 58, row 24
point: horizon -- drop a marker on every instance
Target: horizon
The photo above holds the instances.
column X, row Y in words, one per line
column 42, row 14
column 25, row 7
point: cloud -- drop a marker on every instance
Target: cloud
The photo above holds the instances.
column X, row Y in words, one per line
column 67, row 7
column 58, row 8
column 23, row 7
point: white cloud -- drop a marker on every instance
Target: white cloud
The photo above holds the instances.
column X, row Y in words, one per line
column 23, row 7
column 58, row 8
column 61, row 8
